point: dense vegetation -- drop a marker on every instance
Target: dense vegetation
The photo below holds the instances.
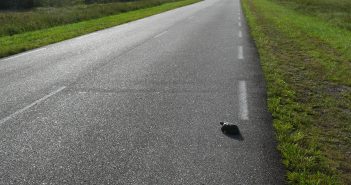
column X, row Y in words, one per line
column 304, row 48
column 27, row 4
column 15, row 22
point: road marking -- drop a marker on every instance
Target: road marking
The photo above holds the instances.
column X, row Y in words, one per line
column 240, row 52
column 25, row 53
column 239, row 23
column 160, row 34
column 31, row 105
column 240, row 34
column 243, row 112
column 239, row 18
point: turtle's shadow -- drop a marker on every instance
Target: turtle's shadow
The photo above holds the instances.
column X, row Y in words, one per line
column 236, row 136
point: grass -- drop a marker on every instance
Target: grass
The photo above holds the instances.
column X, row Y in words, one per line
column 307, row 63
column 15, row 22
column 335, row 12
column 10, row 45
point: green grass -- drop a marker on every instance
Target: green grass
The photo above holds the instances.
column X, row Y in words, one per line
column 307, row 64
column 25, row 41
column 15, row 22
column 335, row 12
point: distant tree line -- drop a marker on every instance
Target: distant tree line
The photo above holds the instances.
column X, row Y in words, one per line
column 27, row 4
column 16, row 4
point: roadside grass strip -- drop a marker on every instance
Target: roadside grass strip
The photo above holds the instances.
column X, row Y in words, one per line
column 307, row 64
column 10, row 45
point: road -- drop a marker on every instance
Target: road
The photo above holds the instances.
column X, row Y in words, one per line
column 141, row 103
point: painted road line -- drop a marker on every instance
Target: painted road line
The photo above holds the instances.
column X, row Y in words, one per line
column 160, row 34
column 240, row 52
column 243, row 112
column 240, row 34
column 31, row 105
column 25, row 53
column 239, row 23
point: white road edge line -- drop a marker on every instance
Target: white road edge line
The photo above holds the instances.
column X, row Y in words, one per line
column 25, row 53
column 243, row 112
column 31, row 105
column 240, row 34
column 160, row 34
column 239, row 24
column 240, row 52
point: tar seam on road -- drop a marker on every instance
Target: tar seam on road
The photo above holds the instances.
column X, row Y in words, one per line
column 240, row 34
column 240, row 53
column 243, row 112
column 31, row 105
column 19, row 55
column 160, row 34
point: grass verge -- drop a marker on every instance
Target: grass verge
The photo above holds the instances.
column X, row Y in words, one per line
column 307, row 64
column 16, row 22
column 10, row 45
column 335, row 12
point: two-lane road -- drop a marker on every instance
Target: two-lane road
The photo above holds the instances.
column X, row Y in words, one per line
column 140, row 103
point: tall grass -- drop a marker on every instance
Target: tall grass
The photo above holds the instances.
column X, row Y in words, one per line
column 336, row 12
column 40, row 18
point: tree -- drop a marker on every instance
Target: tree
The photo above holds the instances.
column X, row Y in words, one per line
column 6, row 4
column 25, row 4
column 16, row 4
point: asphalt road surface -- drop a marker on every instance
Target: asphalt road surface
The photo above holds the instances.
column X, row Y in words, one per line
column 141, row 103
